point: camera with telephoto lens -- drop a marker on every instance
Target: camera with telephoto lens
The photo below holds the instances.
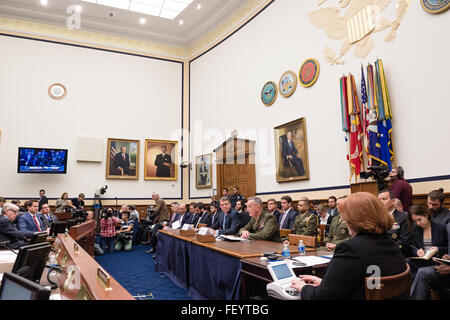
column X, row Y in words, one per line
column 79, row 214
column 378, row 173
column 124, row 237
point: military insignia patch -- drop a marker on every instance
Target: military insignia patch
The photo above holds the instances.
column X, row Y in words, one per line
column 395, row 226
column 394, row 236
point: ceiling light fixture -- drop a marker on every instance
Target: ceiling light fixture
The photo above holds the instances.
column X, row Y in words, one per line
column 199, row 6
column 181, row 22
column 44, row 2
column 142, row 20
column 78, row 8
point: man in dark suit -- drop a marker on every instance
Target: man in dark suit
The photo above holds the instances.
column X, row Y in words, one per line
column 195, row 215
column 291, row 156
column 163, row 162
column 288, row 215
column 272, row 208
column 242, row 210
column 43, row 199
column 122, row 161
column 48, row 216
column 236, row 197
column 32, row 220
column 79, row 202
column 229, row 220
column 205, row 217
column 9, row 232
column 399, row 231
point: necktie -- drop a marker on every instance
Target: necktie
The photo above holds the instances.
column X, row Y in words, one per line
column 282, row 219
column 37, row 223
column 171, row 220
column 224, row 221
column 123, row 155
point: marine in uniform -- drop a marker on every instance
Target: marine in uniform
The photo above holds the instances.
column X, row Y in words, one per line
column 262, row 225
column 338, row 232
column 306, row 224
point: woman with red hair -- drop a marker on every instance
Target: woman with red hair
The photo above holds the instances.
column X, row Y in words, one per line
column 370, row 248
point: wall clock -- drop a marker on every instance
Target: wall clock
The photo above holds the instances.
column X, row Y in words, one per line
column 309, row 71
column 269, row 93
column 288, row 83
column 57, row 91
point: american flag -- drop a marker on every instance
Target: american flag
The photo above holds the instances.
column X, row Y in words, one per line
column 113, row 149
column 365, row 114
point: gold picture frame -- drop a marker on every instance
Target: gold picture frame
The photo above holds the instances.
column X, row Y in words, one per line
column 125, row 167
column 291, row 151
column 203, row 173
column 155, row 161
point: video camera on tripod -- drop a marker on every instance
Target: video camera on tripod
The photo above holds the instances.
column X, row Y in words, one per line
column 378, row 173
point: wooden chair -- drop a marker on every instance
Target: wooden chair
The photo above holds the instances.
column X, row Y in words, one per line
column 309, row 241
column 284, row 232
column 395, row 286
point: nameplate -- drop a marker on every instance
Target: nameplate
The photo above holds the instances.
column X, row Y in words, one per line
column 76, row 248
column 176, row 224
column 187, row 227
column 205, row 231
column 104, row 278
column 205, row 238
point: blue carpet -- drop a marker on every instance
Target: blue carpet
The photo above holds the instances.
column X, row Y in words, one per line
column 135, row 271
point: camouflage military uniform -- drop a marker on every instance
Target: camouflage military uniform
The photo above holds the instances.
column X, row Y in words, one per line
column 306, row 224
column 263, row 228
column 338, row 232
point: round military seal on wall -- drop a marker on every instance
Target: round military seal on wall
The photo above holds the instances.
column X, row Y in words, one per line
column 288, row 83
column 309, row 71
column 269, row 93
column 435, row 6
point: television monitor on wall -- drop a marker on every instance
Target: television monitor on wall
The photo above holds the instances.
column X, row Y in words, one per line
column 42, row 160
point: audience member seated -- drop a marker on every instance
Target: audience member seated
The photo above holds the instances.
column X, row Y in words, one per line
column 229, row 220
column 315, row 204
column 426, row 234
column 332, row 209
column 90, row 217
column 400, row 187
column 185, row 215
column 398, row 205
column 214, row 210
column 63, row 204
column 108, row 230
column 435, row 202
column 273, row 209
column 78, row 203
column 235, row 197
column 368, row 222
column 2, row 203
column 31, row 220
column 310, row 209
column 431, row 278
column 241, row 208
column 8, row 230
column 215, row 201
column 399, row 232
column 225, row 194
column 262, row 226
column 306, row 223
column 195, row 215
column 324, row 217
column 17, row 203
column 42, row 198
column 48, row 216
column 287, row 215
column 338, row 231
column 205, row 216
column 125, row 234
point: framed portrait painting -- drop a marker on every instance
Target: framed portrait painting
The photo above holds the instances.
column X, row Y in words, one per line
column 203, row 171
column 161, row 161
column 122, row 159
column 291, row 151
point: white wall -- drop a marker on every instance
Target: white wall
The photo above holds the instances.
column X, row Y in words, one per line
column 226, row 84
column 109, row 95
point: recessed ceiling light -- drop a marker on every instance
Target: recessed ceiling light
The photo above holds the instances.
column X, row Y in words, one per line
column 199, row 6
column 79, row 8
column 142, row 20
column 44, row 2
column 181, row 22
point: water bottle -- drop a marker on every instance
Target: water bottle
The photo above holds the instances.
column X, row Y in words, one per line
column 301, row 248
column 286, row 253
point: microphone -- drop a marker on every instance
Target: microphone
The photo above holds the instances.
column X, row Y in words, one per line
column 4, row 245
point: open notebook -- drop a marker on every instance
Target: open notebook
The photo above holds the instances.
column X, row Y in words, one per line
column 428, row 254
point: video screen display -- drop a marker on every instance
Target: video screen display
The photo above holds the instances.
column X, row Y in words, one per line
column 40, row 160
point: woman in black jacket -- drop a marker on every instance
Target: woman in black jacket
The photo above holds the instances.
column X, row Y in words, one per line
column 355, row 259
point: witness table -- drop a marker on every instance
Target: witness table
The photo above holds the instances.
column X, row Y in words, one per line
column 207, row 270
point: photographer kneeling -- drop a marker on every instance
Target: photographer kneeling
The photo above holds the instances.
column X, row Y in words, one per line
column 125, row 234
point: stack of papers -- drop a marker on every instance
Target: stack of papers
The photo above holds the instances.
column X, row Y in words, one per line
column 230, row 238
column 312, row 260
